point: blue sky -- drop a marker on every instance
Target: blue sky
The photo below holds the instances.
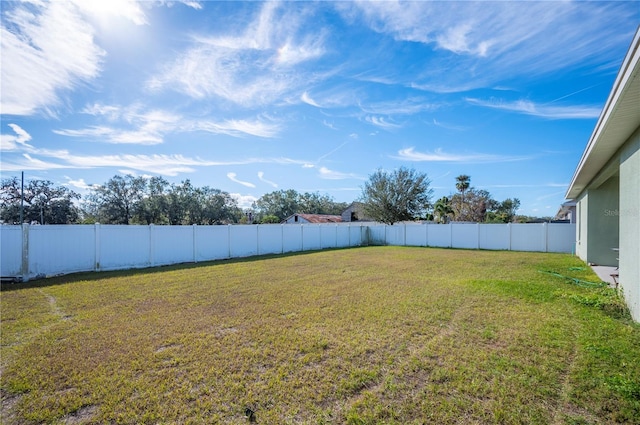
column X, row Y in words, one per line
column 252, row 97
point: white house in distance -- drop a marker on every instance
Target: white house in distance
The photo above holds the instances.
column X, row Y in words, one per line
column 606, row 183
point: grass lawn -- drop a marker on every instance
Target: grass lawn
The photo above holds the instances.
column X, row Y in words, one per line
column 391, row 335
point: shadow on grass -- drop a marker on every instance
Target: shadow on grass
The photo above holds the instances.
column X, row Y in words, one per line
column 92, row 275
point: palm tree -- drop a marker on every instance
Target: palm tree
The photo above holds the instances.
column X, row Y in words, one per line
column 442, row 209
column 462, row 184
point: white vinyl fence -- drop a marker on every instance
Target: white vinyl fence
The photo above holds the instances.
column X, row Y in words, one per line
column 36, row 251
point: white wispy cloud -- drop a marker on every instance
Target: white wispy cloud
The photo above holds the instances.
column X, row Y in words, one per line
column 540, row 110
column 330, row 125
column 408, row 106
column 135, row 124
column 233, row 178
column 262, row 179
column 29, row 163
column 255, row 67
column 238, row 127
column 328, row 174
column 308, row 100
column 167, row 165
column 381, row 122
column 447, row 85
column 18, row 140
column 102, row 11
column 40, row 62
column 332, row 151
column 458, row 40
column 338, row 96
column 292, row 54
column 113, row 135
column 244, row 201
column 79, row 184
column 448, row 126
column 112, row 112
column 438, row 155
column 505, row 39
column 29, row 158
column 550, row 195
column 192, row 3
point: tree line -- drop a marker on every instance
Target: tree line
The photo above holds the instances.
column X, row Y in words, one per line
column 475, row 205
column 388, row 196
column 405, row 194
column 141, row 200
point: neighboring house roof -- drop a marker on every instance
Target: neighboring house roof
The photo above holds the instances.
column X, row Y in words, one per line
column 355, row 212
column 565, row 209
column 317, row 218
column 619, row 118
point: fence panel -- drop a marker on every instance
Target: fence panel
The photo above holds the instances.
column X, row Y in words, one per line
column 122, row 246
column 55, row 249
column 394, row 235
column 311, row 237
column 561, row 237
column 357, row 235
column 243, row 241
column 464, row 235
column 494, row 236
column 439, row 235
column 529, row 237
column 416, row 234
column 172, row 244
column 376, row 234
column 343, row 233
column 270, row 239
column 10, row 251
column 212, row 243
column 328, row 236
column 292, row 237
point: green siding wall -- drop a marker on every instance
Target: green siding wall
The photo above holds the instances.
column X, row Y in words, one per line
column 604, row 224
column 582, row 234
column 630, row 223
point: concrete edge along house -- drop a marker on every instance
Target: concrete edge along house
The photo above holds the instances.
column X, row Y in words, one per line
column 606, row 183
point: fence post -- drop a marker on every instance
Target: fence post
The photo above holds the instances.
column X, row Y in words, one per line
column 426, row 234
column 152, row 243
column 195, row 245
column 404, row 242
column 510, row 229
column 545, row 232
column 96, row 251
column 478, row 227
column 24, row 267
column 258, row 239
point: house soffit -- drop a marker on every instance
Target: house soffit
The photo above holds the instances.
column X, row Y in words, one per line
column 619, row 119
